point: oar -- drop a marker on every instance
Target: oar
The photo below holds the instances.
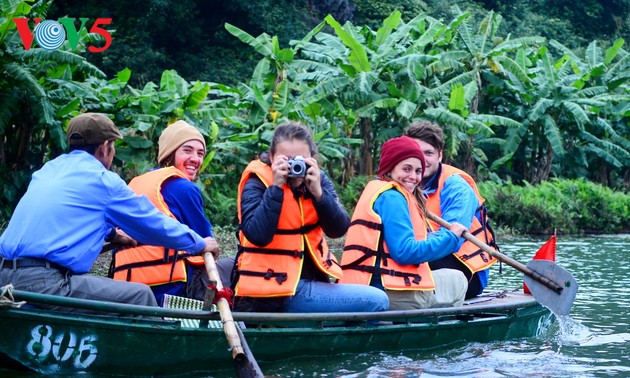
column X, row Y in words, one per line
column 551, row 285
column 246, row 365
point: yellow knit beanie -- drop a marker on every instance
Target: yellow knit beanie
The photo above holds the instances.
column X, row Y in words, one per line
column 174, row 136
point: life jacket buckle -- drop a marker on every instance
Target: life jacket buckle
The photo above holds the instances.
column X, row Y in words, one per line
column 270, row 273
column 281, row 277
column 417, row 279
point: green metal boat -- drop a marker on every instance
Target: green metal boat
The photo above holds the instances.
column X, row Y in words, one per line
column 164, row 341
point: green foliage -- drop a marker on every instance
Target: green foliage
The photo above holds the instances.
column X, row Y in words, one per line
column 570, row 206
column 371, row 12
column 220, row 199
column 350, row 192
column 39, row 89
column 513, row 109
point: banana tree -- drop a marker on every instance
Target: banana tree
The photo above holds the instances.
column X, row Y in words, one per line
column 567, row 103
column 368, row 79
column 275, row 94
column 603, row 79
column 36, row 93
column 488, row 64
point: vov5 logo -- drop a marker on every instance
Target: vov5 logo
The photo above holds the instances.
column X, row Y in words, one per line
column 50, row 34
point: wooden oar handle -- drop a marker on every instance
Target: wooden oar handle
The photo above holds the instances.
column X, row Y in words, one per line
column 229, row 327
column 500, row 256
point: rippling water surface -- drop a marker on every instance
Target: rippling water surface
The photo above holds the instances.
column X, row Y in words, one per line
column 593, row 341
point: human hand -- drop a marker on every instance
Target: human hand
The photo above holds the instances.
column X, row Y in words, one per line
column 212, row 246
column 280, row 169
column 121, row 238
column 458, row 229
column 313, row 178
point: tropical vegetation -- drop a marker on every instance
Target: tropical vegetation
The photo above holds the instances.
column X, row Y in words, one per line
column 515, row 110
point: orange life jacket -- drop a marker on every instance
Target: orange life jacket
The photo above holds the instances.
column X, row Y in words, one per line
column 365, row 245
column 473, row 257
column 148, row 264
column 275, row 269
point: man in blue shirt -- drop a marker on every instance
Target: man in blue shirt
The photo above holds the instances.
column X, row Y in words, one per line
column 452, row 195
column 72, row 205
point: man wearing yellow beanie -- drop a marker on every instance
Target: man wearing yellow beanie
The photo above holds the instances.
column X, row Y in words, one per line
column 174, row 137
column 171, row 188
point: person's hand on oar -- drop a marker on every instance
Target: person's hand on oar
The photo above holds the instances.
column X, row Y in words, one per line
column 551, row 285
column 458, row 229
column 212, row 246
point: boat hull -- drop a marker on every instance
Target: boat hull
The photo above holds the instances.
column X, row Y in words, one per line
column 70, row 343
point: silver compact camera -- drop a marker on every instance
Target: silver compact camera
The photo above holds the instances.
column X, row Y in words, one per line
column 297, row 167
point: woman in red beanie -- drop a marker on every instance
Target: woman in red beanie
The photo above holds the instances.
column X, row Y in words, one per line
column 389, row 241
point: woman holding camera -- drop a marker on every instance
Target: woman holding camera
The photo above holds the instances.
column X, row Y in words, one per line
column 286, row 207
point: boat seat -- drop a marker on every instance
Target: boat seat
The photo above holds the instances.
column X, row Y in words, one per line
column 182, row 303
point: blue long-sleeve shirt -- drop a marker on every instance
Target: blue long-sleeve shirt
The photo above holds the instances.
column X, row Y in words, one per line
column 398, row 234
column 72, row 203
column 184, row 200
column 458, row 203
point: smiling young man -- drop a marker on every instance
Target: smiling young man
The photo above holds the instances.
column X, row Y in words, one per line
column 181, row 150
column 452, row 195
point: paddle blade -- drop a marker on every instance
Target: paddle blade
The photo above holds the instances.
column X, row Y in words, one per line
column 546, row 252
column 558, row 303
column 247, row 367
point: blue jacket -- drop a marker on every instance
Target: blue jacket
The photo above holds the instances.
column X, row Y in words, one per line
column 458, row 203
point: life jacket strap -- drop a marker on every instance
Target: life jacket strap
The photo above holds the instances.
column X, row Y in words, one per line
column 367, row 253
column 298, row 231
column 406, row 276
column 269, row 274
column 368, row 224
column 282, row 252
column 142, row 264
column 484, row 256
column 409, row 278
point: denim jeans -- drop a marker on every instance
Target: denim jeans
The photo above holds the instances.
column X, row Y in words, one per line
column 316, row 296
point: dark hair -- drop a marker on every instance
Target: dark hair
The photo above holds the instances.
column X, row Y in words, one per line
column 168, row 161
column 428, row 132
column 293, row 131
column 89, row 148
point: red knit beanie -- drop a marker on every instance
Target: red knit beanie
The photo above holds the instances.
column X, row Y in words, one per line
column 396, row 150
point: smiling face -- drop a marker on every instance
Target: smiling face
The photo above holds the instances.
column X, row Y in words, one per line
column 189, row 157
column 407, row 173
column 432, row 159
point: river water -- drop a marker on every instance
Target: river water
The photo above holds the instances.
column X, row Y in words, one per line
column 593, row 341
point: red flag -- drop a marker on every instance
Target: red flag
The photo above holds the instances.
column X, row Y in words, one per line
column 546, row 252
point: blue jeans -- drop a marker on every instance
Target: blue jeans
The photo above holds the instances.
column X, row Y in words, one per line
column 316, row 296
